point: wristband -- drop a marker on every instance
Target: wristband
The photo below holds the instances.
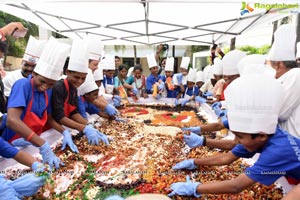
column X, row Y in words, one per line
column 30, row 136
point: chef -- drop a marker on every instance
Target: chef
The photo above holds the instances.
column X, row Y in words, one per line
column 253, row 111
column 282, row 56
column 154, row 80
column 29, row 105
column 65, row 94
column 31, row 56
column 191, row 90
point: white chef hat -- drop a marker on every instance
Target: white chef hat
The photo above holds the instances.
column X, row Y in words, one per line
column 98, row 74
column 251, row 64
column 89, row 84
column 254, row 102
column 298, row 50
column 200, row 76
column 283, row 48
column 230, row 61
column 34, row 49
column 185, row 62
column 95, row 48
column 52, row 60
column 217, row 67
column 169, row 64
column 108, row 63
column 79, row 59
column 130, row 70
column 191, row 77
column 151, row 61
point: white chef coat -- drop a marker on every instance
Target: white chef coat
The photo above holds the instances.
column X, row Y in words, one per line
column 290, row 114
column 10, row 79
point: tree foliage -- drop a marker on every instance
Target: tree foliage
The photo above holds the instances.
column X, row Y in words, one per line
column 16, row 47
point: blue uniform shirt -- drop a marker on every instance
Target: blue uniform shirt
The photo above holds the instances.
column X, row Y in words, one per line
column 279, row 157
column 6, row 150
column 107, row 80
column 86, row 107
column 150, row 81
column 192, row 91
column 20, row 96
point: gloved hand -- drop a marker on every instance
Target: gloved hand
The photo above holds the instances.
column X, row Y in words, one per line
column 200, row 100
column 6, row 191
column 120, row 119
column 27, row 185
column 161, row 86
column 187, row 188
column 184, row 102
column 49, row 157
column 207, row 94
column 38, row 167
column 186, row 164
column 114, row 197
column 21, row 142
column 193, row 140
column 219, row 112
column 68, row 141
column 3, row 122
column 94, row 135
column 176, row 102
column 216, row 104
column 225, row 121
column 158, row 97
column 179, row 78
column 111, row 110
column 194, row 129
column 117, row 100
column 134, row 91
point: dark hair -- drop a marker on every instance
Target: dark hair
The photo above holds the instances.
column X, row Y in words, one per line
column 121, row 67
column 66, row 66
column 164, row 58
column 138, row 67
column 290, row 64
column 117, row 57
column 3, row 47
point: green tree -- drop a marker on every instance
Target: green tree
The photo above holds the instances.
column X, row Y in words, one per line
column 16, row 47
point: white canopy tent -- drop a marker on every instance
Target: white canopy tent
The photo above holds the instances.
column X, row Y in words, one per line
column 144, row 21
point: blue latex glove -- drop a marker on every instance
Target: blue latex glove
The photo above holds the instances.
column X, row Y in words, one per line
column 193, row 140
column 179, row 78
column 21, row 142
column 94, row 135
column 216, row 104
column 6, row 191
column 68, row 141
column 186, row 164
column 200, row 100
column 38, row 167
column 217, row 110
column 134, row 91
column 184, row 102
column 225, row 121
column 223, row 113
column 111, row 110
column 187, row 188
column 207, row 94
column 121, row 120
column 27, row 185
column 161, row 86
column 115, row 197
column 194, row 129
column 49, row 157
column 158, row 96
column 3, row 122
column 176, row 102
column 117, row 100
